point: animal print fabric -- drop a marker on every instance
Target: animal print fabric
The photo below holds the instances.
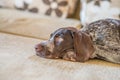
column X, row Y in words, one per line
column 92, row 10
column 54, row 8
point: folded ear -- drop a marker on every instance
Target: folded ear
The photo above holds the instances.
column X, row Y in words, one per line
column 83, row 45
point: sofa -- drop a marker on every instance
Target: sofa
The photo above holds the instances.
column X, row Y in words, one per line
column 20, row 31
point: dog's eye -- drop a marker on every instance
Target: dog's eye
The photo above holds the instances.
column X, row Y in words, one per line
column 57, row 35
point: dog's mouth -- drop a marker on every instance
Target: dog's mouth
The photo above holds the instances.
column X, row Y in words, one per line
column 40, row 50
column 43, row 50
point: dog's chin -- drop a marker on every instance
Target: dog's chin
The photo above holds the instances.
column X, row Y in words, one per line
column 41, row 54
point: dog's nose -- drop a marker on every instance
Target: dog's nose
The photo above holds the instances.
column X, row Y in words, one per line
column 38, row 48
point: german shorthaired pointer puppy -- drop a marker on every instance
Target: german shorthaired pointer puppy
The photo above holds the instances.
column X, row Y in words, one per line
column 100, row 39
column 67, row 43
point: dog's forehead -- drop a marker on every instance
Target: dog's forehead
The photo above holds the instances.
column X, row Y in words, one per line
column 59, row 31
column 62, row 30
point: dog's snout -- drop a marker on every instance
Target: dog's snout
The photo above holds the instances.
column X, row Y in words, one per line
column 38, row 48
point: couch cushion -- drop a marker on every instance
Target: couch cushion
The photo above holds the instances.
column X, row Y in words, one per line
column 32, row 25
column 18, row 61
column 55, row 8
column 93, row 10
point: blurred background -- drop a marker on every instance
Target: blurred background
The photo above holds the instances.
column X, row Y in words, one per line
column 84, row 10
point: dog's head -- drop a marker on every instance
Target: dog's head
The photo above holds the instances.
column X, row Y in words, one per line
column 67, row 41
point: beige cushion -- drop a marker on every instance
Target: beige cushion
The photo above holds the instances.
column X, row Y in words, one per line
column 19, row 62
column 56, row 8
column 32, row 25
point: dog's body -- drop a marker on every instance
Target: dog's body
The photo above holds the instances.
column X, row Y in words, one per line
column 106, row 39
column 71, row 44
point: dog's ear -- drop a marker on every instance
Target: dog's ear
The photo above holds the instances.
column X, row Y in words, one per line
column 83, row 45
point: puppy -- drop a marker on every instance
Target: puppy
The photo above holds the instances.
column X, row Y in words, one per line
column 67, row 43
column 71, row 44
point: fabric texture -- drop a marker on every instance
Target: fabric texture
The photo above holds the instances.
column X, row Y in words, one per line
column 54, row 8
column 18, row 36
column 93, row 10
column 18, row 61
column 26, row 23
